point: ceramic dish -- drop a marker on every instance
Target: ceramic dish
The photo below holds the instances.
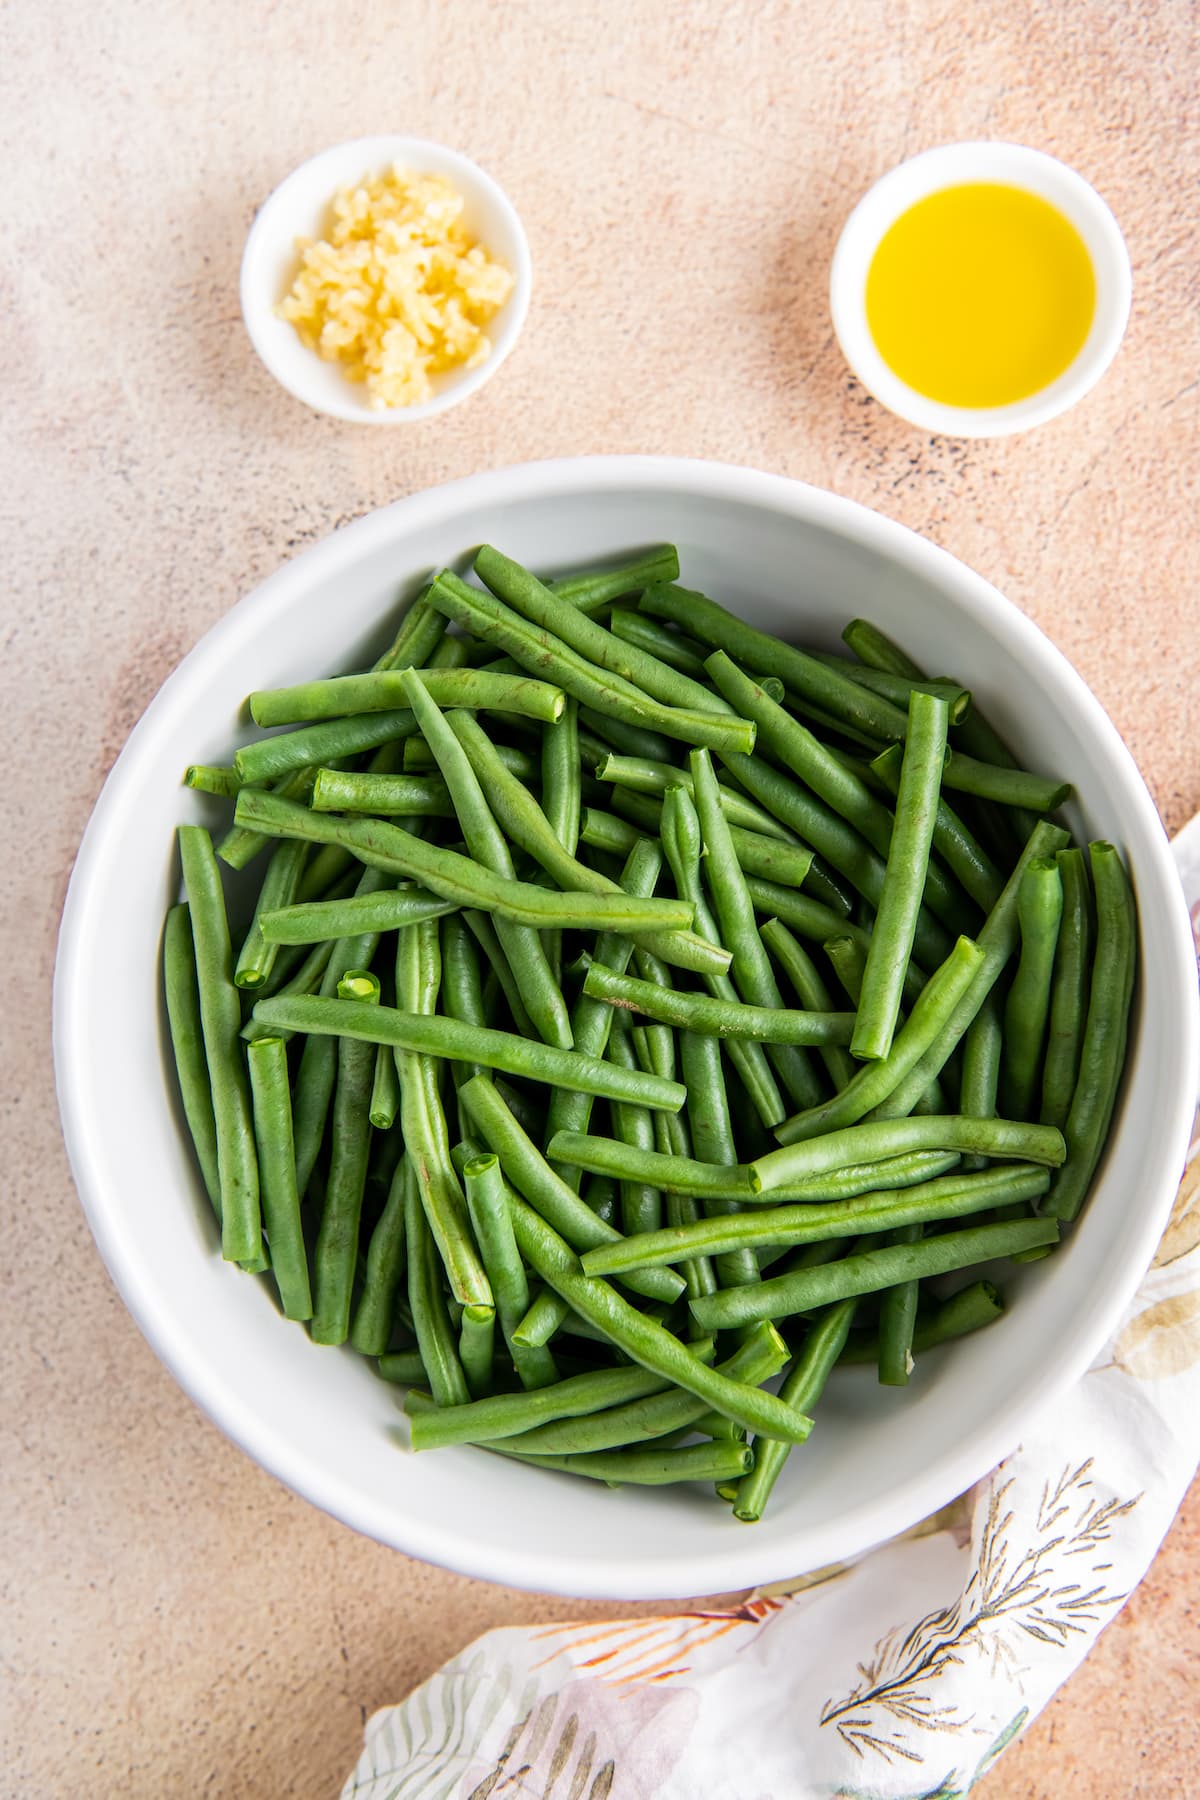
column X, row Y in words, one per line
column 950, row 165
column 298, row 208
column 798, row 562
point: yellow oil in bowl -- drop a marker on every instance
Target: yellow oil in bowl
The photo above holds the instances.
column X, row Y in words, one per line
column 980, row 295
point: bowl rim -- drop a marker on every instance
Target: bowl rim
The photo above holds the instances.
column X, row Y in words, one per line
column 550, row 1569
column 374, row 149
column 951, row 165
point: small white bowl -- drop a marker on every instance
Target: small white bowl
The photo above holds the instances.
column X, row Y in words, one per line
column 299, row 207
column 952, row 165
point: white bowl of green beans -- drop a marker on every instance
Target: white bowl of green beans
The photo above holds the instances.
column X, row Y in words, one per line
column 682, row 1037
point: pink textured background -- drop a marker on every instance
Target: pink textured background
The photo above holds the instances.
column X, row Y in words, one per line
column 176, row 1623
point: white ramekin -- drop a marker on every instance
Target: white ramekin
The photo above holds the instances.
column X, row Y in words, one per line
column 298, row 208
column 952, row 165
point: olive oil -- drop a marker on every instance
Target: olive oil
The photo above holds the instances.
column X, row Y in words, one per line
column 980, row 295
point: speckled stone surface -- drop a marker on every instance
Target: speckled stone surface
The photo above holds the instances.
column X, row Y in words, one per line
column 174, row 1621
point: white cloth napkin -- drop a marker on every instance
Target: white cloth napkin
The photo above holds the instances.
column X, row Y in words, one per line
column 902, row 1677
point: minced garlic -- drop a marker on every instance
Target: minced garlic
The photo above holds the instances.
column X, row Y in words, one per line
column 397, row 292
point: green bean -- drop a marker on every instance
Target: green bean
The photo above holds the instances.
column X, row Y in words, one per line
column 298, row 970
column 527, row 825
column 522, row 946
column 889, row 1173
column 1102, row 1057
column 972, row 733
column 997, row 938
column 317, row 1071
column 837, row 785
column 512, row 1415
column 649, row 1467
column 371, row 1330
column 946, row 1197
column 562, row 793
column 834, row 693
column 643, row 776
column 345, row 696
column 895, row 926
column 966, row 859
column 600, row 732
column 385, row 1090
column 336, row 1252
column 645, row 1341
column 484, row 931
column 823, row 885
column 877, row 651
column 488, row 1210
column 545, row 1316
column 809, row 1256
column 713, row 1139
column 604, row 831
column 468, row 1043
column 669, row 646
column 606, row 693
column 674, row 1174
column 272, row 1102
column 761, row 1355
column 597, row 587
column 641, row 668
column 720, row 1018
column 431, row 1322
column 1039, row 914
column 591, row 1020
column 394, row 796
column 682, row 844
column 529, row 1172
column 813, row 920
column 402, row 1366
column 221, row 1023
column 1069, row 992
column 898, row 1317
column 419, row 758
column 382, row 908
column 416, row 641
column 811, row 991
column 300, row 753
column 870, row 1272
column 1007, row 787
column 456, row 652
column 757, row 854
column 968, row 1310
column 983, row 1047
column 476, row 1351
column 839, row 843
column 752, row 973
column 632, row 1129
column 877, row 1080
column 256, row 958
column 207, row 779
column 420, row 632
column 655, row 1046
column 418, row 980
column 847, row 952
column 462, row 982
column 187, row 1041
column 601, row 1195
column 458, row 878
column 329, row 874
column 890, row 1137
column 897, row 688
column 802, row 1387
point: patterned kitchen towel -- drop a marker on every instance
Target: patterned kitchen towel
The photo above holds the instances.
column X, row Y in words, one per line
column 902, row 1677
